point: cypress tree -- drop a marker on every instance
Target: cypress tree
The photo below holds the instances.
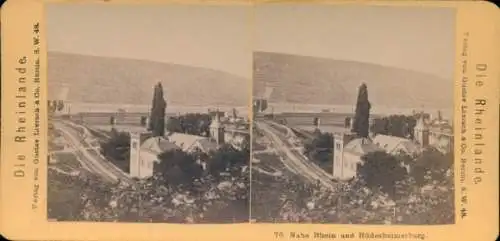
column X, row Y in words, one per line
column 54, row 105
column 153, row 107
column 362, row 114
column 151, row 121
column 157, row 119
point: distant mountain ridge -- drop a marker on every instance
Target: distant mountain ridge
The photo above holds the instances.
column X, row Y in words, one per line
column 312, row 80
column 110, row 80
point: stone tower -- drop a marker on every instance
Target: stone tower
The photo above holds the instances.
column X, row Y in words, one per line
column 217, row 129
column 148, row 121
column 421, row 132
column 339, row 141
column 136, row 139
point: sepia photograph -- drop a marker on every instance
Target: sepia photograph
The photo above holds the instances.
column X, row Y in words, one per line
column 353, row 115
column 149, row 113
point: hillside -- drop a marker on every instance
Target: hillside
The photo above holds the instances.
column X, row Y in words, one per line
column 114, row 80
column 310, row 80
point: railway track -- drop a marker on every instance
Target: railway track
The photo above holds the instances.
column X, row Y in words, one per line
column 78, row 137
column 284, row 140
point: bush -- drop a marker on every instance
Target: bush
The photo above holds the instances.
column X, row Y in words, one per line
column 381, row 170
column 118, row 146
column 320, row 150
column 431, row 165
column 228, row 159
column 351, row 202
column 88, row 198
column 117, row 149
column 177, row 167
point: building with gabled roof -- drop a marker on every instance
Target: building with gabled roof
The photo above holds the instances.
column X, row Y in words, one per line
column 436, row 133
column 144, row 151
column 396, row 145
column 158, row 145
column 349, row 149
column 190, row 143
column 348, row 152
column 144, row 148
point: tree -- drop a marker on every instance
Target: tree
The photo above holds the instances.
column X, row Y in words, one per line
column 197, row 123
column 264, row 105
column 381, row 170
column 430, row 166
column 316, row 121
column 394, row 125
column 347, row 122
column 191, row 123
column 152, row 117
column 380, row 126
column 177, row 167
column 117, row 148
column 157, row 121
column 227, row 158
column 144, row 120
column 54, row 105
column 60, row 105
column 320, row 150
column 174, row 125
column 362, row 114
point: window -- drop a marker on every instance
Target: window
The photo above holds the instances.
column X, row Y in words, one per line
column 134, row 145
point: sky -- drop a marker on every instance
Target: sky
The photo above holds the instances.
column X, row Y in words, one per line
column 215, row 37
column 223, row 37
column 417, row 38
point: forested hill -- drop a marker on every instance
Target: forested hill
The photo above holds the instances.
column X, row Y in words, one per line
column 125, row 81
column 311, row 80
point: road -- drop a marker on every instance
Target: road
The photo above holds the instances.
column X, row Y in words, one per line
column 79, row 138
column 271, row 151
column 284, row 141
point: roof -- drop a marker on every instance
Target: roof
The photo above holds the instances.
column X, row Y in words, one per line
column 158, row 145
column 207, row 144
column 390, row 143
column 361, row 146
column 185, row 141
column 411, row 147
